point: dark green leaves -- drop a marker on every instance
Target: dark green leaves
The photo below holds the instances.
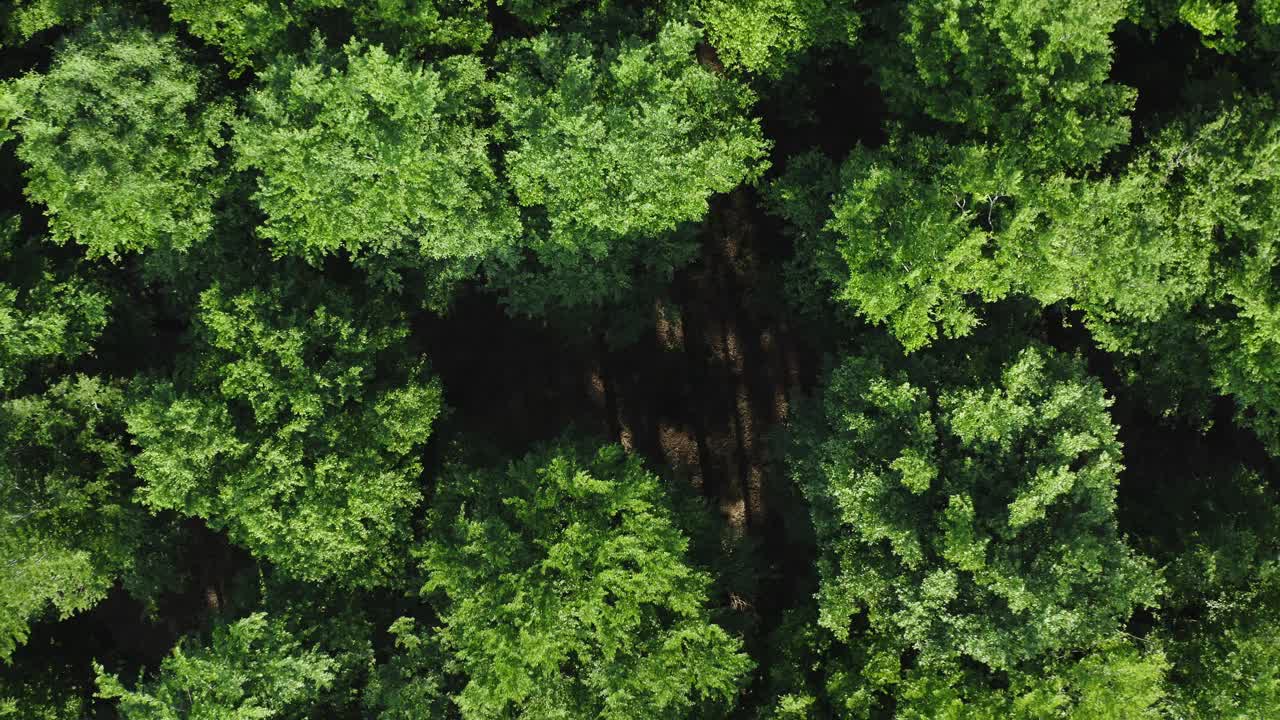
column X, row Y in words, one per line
column 48, row 314
column 251, row 33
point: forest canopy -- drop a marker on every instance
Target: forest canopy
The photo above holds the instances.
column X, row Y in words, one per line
column 768, row 359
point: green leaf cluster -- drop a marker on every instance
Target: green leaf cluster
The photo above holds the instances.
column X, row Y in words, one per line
column 254, row 669
column 609, row 149
column 971, row 522
column 362, row 153
column 298, row 430
column 252, row 33
column 765, row 35
column 67, row 531
column 569, row 592
column 1028, row 74
column 964, row 317
column 119, row 138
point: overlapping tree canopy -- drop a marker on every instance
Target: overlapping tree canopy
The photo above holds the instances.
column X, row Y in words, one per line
column 1007, row 271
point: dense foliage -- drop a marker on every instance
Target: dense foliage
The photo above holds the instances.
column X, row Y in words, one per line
column 403, row 359
column 969, row 522
column 366, row 154
column 253, row 669
column 119, row 142
column 610, row 150
column 296, row 430
column 574, row 552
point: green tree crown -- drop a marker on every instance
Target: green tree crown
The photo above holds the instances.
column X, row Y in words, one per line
column 568, row 592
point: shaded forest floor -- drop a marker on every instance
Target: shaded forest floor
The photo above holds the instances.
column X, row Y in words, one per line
column 697, row 395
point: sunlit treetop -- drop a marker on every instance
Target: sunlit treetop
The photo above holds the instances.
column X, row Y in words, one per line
column 253, row 668
column 251, row 33
column 971, row 520
column 609, row 149
column 566, row 591
column 1028, row 74
column 362, row 153
column 1226, row 26
column 21, row 20
column 297, row 428
column 119, row 138
column 766, row 35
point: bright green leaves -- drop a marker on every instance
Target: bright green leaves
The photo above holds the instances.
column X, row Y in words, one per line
column 1029, row 74
column 917, row 239
column 1068, row 422
column 1227, row 26
column 254, row 669
column 919, row 230
column 1117, row 681
column 1173, row 250
column 251, row 33
column 1215, row 21
column 48, row 315
column 1011, row 554
column 569, row 594
column 369, row 155
column 652, row 133
column 610, row 149
column 363, row 154
column 1194, row 258
column 763, row 35
column 298, row 431
column 10, row 110
column 1006, row 563
column 961, row 545
column 119, row 140
column 65, row 528
column 67, row 531
column 243, row 29
column 1114, row 682
column 23, row 19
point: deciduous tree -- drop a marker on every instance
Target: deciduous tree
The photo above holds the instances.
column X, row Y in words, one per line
column 252, row 33
column 566, row 591
column 609, row 149
column 365, row 154
column 766, row 35
column 296, row 427
column 253, row 669
column 1030, row 75
column 120, row 138
column 969, row 523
